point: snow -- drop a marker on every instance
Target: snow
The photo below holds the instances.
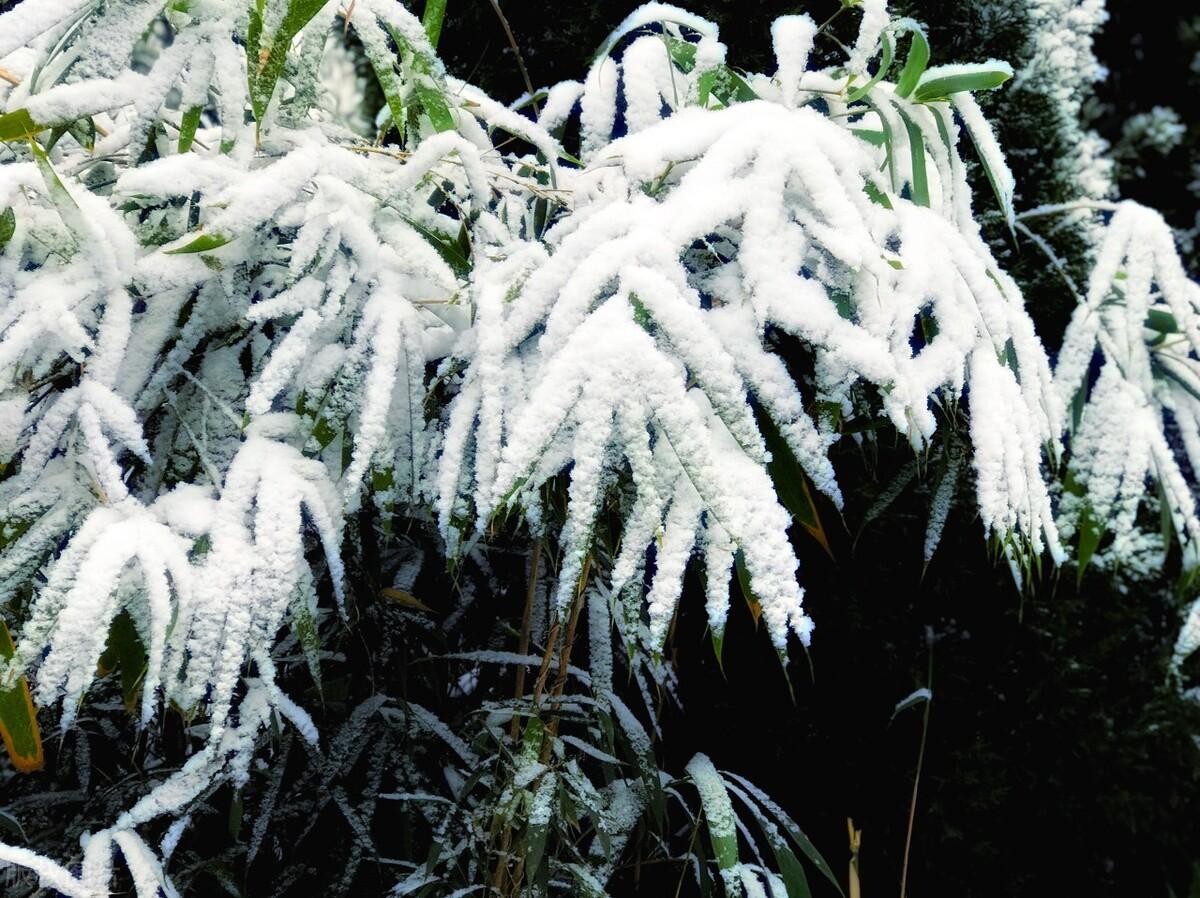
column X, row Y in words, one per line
column 625, row 343
column 28, row 21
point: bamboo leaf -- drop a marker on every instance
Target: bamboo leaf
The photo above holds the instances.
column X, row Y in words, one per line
column 666, row 14
column 799, row 839
column 8, row 226
column 790, row 868
column 187, row 128
column 18, row 125
column 743, row 576
column 1161, row 321
column 870, row 135
column 304, row 625
column 916, row 147
column 449, row 249
column 435, row 107
column 1003, row 194
column 877, row 196
column 884, row 65
column 1091, row 531
column 265, row 63
column 202, row 244
column 682, row 53
column 718, row 811
column 539, row 827
column 126, row 653
column 791, row 483
column 724, row 85
column 435, row 12
column 888, row 145
column 942, row 81
column 915, row 62
column 916, row 697
column 18, row 717
column 408, row 600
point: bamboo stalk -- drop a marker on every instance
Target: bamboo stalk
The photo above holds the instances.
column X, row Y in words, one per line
column 523, row 643
column 855, row 886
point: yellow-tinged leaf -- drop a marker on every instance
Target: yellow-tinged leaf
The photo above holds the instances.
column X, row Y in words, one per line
column 743, row 575
column 18, row 718
column 791, row 483
column 407, row 599
column 18, row 125
column 126, row 653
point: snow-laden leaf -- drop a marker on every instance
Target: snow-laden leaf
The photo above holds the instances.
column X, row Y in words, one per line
column 719, row 819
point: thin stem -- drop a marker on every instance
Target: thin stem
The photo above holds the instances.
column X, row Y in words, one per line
column 912, row 807
column 512, row 42
column 824, row 25
column 564, row 659
column 691, row 843
column 523, row 644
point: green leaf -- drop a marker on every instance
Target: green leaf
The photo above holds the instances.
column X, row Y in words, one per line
column 304, row 625
column 187, row 128
column 718, row 644
column 791, row 483
column 726, row 86
column 718, row 810
column 18, row 718
column 870, row 135
column 59, row 194
column 1162, row 321
column 83, row 130
column 643, row 750
column 389, row 82
column 641, row 315
column 535, row 834
column 884, row 65
column 235, row 815
column 799, row 839
column 916, row 146
column 1166, row 524
column 743, row 576
column 435, row 12
column 8, row 226
column 888, row 144
column 434, row 104
column 264, row 64
column 18, row 125
column 683, row 54
column 125, row 652
column 449, row 249
column 915, row 62
column 531, row 740
column 1091, row 531
column 323, row 432
column 1008, row 358
column 942, row 81
column 202, row 244
column 790, row 868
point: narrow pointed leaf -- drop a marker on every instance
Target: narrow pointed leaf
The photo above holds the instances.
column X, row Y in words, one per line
column 942, row 81
column 18, row 717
